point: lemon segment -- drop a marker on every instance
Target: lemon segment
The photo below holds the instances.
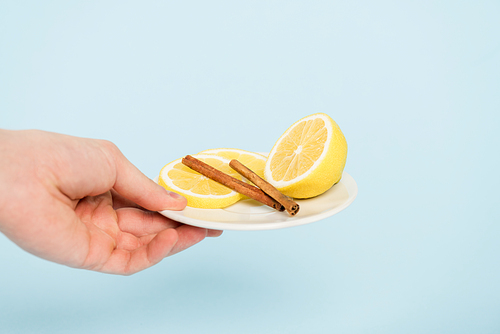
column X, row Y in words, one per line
column 199, row 190
column 309, row 158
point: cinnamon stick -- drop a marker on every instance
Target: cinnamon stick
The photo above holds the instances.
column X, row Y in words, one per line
column 231, row 182
column 290, row 206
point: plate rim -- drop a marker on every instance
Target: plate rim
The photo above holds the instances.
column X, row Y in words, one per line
column 348, row 181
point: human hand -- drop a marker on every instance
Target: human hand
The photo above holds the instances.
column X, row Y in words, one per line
column 81, row 203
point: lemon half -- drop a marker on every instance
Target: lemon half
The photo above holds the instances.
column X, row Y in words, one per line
column 309, row 158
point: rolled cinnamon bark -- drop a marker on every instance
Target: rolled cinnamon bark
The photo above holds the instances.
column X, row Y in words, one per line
column 231, row 182
column 290, row 206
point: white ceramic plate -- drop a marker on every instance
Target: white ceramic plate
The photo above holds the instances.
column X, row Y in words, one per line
column 250, row 215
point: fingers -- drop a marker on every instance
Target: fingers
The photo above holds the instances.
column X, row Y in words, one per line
column 134, row 185
column 141, row 223
column 148, row 237
column 145, row 238
column 188, row 236
column 125, row 262
column 165, row 243
column 160, row 247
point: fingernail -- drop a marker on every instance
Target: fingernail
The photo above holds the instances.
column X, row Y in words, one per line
column 175, row 196
column 214, row 233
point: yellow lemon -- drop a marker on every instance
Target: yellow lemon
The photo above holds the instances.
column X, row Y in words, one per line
column 200, row 191
column 309, row 158
column 254, row 161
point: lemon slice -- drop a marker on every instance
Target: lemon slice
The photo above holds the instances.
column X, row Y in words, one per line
column 309, row 158
column 200, row 191
column 256, row 162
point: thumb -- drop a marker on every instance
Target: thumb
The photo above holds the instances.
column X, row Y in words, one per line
column 131, row 183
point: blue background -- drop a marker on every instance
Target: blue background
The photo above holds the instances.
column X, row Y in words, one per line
column 415, row 87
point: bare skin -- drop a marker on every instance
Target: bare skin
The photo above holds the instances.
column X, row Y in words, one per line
column 79, row 202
